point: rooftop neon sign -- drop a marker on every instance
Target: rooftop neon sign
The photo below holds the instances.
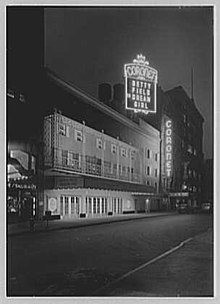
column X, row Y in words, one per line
column 140, row 86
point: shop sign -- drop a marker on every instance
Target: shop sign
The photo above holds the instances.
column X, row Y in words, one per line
column 179, row 194
column 168, row 147
column 22, row 186
column 129, row 206
column 140, row 86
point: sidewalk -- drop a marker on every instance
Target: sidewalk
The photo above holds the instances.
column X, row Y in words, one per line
column 41, row 226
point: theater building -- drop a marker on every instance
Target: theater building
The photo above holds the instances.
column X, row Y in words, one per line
column 89, row 173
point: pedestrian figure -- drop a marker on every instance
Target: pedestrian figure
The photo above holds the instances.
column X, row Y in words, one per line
column 31, row 223
column 147, row 205
column 47, row 217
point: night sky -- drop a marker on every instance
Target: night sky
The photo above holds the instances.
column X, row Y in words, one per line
column 88, row 46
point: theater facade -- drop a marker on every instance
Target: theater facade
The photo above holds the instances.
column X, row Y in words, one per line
column 135, row 148
column 89, row 173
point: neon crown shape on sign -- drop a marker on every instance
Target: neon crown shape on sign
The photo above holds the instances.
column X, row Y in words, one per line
column 141, row 60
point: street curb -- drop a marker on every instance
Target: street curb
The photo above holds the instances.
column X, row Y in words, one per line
column 87, row 224
column 112, row 285
column 144, row 265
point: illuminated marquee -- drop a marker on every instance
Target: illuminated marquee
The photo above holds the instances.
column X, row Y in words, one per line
column 140, row 86
column 168, row 147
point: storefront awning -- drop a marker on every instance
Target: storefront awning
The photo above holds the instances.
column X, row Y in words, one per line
column 15, row 169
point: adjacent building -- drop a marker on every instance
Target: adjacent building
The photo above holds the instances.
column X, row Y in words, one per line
column 207, row 181
column 25, row 60
column 182, row 160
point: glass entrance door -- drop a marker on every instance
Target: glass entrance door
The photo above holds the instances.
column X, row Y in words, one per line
column 69, row 205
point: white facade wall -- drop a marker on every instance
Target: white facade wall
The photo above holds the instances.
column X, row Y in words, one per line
column 72, row 147
column 129, row 163
column 125, row 164
column 115, row 202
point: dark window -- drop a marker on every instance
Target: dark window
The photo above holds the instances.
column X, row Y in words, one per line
column 114, row 148
column 98, row 205
column 90, row 205
column 61, row 205
column 133, row 155
column 62, row 129
column 64, row 157
column 94, row 205
column 123, row 152
column 77, row 205
column 99, row 143
column 78, row 135
column 66, row 205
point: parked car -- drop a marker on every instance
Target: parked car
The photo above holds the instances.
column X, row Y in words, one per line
column 206, row 207
column 183, row 207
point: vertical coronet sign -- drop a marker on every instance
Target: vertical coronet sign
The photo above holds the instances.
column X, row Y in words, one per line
column 168, row 147
column 140, row 86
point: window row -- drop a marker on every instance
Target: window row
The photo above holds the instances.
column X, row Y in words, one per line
column 96, row 205
column 190, row 149
column 100, row 143
column 99, row 205
column 72, row 205
column 192, row 173
column 149, row 183
column 92, row 163
column 149, row 154
column 149, row 171
column 69, row 205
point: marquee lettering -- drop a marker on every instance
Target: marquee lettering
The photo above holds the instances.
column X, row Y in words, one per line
column 168, row 147
column 140, row 86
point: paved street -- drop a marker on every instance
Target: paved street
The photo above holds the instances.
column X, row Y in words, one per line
column 81, row 261
column 184, row 273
